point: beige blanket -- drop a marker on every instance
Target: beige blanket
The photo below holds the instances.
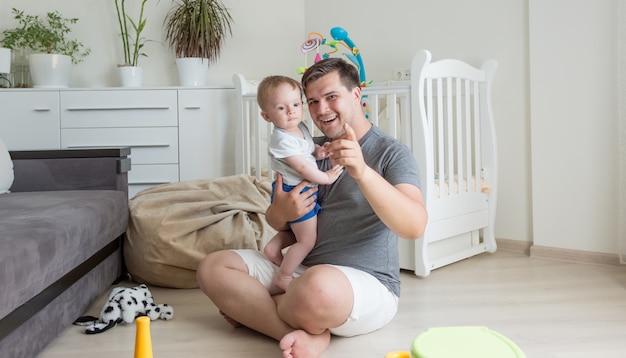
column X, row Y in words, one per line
column 174, row 226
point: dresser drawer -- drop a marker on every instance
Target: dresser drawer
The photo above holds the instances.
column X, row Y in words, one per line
column 118, row 108
column 29, row 119
column 153, row 174
column 143, row 176
column 148, row 145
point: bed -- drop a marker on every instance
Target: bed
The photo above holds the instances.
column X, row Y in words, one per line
column 444, row 115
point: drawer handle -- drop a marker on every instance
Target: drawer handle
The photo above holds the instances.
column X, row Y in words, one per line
column 193, row 107
column 71, row 109
column 120, row 145
column 41, row 109
column 156, row 182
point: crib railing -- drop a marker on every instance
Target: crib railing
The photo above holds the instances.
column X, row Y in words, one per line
column 452, row 117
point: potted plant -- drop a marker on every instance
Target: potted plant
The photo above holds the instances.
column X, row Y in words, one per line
column 52, row 52
column 132, row 43
column 196, row 30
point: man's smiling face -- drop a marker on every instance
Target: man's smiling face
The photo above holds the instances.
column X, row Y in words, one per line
column 331, row 104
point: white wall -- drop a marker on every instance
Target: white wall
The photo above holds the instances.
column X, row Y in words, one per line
column 565, row 69
column 573, row 83
column 259, row 44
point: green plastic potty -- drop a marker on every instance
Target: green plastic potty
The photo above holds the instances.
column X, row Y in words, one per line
column 463, row 342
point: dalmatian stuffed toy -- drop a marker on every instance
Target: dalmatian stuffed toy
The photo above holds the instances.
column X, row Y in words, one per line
column 124, row 305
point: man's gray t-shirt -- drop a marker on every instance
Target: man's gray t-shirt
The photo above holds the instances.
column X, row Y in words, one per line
column 349, row 233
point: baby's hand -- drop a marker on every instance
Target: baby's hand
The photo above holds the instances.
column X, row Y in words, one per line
column 321, row 152
column 334, row 173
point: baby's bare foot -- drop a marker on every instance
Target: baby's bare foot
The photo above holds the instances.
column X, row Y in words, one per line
column 281, row 282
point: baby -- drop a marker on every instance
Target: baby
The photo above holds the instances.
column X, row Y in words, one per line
column 293, row 155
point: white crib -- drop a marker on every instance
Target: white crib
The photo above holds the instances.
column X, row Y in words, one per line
column 444, row 115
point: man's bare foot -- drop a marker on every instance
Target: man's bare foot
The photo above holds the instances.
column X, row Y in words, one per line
column 230, row 320
column 300, row 344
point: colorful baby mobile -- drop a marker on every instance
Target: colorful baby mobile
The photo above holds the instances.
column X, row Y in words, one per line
column 340, row 38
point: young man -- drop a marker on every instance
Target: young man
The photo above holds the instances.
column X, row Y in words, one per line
column 349, row 283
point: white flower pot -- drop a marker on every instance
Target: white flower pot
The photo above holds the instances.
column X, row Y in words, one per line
column 5, row 60
column 5, row 68
column 193, row 71
column 49, row 70
column 131, row 76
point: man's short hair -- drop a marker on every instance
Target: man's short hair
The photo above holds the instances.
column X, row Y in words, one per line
column 348, row 74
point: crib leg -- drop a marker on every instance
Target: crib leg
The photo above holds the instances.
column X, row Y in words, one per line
column 422, row 264
column 489, row 239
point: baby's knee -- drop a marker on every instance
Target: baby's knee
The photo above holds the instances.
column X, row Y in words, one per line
column 269, row 251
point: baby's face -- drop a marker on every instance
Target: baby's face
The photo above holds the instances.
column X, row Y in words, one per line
column 284, row 107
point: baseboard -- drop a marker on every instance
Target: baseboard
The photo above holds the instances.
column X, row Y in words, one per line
column 577, row 256
column 514, row 245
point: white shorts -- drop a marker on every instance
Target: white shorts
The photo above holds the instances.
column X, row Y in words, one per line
column 374, row 304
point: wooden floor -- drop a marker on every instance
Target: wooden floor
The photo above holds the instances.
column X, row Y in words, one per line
column 550, row 309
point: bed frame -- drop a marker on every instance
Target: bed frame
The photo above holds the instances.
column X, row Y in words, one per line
column 444, row 115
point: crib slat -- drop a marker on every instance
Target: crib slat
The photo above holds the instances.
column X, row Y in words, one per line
column 372, row 101
column 256, row 134
column 449, row 136
column 477, row 129
column 471, row 184
column 429, row 117
column 392, row 114
column 440, row 144
column 246, row 137
column 458, row 135
column 268, row 163
column 405, row 124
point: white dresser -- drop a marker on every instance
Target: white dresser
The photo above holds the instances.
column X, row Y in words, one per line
column 174, row 133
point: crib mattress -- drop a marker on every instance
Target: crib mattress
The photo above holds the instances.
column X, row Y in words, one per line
column 446, row 187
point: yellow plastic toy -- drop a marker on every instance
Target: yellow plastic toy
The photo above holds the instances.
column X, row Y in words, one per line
column 143, row 342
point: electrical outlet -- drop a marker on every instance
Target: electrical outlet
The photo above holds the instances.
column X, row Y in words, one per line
column 402, row 74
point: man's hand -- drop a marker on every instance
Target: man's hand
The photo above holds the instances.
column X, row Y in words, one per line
column 346, row 151
column 289, row 206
